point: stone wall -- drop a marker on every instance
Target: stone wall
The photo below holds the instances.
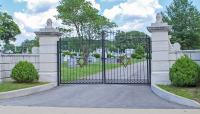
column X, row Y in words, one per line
column 8, row 61
column 193, row 54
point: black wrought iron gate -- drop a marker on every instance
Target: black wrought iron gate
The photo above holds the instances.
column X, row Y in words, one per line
column 107, row 58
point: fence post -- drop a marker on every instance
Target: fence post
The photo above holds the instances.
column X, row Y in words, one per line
column 160, row 51
column 48, row 38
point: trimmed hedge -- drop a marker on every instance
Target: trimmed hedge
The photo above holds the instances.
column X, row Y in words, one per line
column 185, row 72
column 24, row 72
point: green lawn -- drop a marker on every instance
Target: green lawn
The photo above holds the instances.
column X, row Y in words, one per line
column 187, row 92
column 70, row 74
column 9, row 86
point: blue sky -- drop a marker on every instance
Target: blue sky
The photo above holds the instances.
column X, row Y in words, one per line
column 31, row 15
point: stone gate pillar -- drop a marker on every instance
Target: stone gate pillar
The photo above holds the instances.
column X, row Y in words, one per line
column 160, row 51
column 48, row 38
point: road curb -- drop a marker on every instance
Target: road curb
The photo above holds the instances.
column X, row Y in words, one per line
column 26, row 91
column 174, row 98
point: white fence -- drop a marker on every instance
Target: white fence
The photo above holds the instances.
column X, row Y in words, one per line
column 8, row 61
column 193, row 54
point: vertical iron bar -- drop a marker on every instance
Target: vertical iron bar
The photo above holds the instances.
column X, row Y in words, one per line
column 150, row 51
column 58, row 62
column 147, row 58
column 103, row 58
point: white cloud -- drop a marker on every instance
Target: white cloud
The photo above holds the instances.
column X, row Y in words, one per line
column 38, row 5
column 34, row 20
column 35, row 5
column 111, row 0
column 135, row 14
column 31, row 22
column 36, row 14
column 136, row 25
column 34, row 17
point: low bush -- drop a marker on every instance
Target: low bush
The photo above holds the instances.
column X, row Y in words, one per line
column 66, row 53
column 24, row 72
column 185, row 72
column 71, row 54
column 96, row 55
column 139, row 53
column 109, row 55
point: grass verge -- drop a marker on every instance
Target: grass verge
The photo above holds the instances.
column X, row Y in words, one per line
column 187, row 92
column 9, row 86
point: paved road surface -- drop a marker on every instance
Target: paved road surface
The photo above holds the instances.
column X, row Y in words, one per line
column 95, row 96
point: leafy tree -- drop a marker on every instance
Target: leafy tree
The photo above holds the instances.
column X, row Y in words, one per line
column 8, row 28
column 88, row 24
column 125, row 40
column 139, row 52
column 80, row 14
column 185, row 19
column 8, row 47
column 74, row 44
column 29, row 44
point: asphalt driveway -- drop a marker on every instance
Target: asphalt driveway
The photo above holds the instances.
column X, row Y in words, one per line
column 95, row 96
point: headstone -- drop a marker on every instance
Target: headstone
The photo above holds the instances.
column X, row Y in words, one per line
column 91, row 60
column 72, row 62
column 111, row 60
column 66, row 58
column 129, row 52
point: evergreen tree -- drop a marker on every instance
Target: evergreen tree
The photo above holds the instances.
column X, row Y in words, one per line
column 185, row 19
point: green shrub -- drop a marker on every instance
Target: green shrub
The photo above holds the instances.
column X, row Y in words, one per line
column 110, row 55
column 96, row 55
column 24, row 72
column 69, row 53
column 185, row 72
column 73, row 54
column 139, row 52
column 66, row 53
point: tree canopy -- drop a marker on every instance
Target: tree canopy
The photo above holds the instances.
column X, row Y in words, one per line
column 29, row 44
column 125, row 40
column 80, row 14
column 8, row 28
column 9, row 47
column 85, row 20
column 185, row 19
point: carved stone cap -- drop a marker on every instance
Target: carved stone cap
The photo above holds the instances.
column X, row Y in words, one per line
column 159, row 18
column 49, row 23
column 159, row 25
column 48, row 30
column 159, row 28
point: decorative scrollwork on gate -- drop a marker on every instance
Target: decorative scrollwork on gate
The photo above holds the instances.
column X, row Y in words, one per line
column 124, row 60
